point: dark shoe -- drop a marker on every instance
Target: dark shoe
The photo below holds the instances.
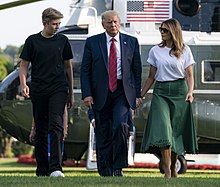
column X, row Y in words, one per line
column 106, row 172
column 118, row 173
column 42, row 175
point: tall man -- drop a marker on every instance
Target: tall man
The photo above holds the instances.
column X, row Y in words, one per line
column 111, row 84
column 50, row 56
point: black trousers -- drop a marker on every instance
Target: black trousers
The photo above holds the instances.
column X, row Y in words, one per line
column 48, row 115
column 112, row 132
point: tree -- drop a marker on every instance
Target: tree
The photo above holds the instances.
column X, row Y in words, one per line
column 3, row 72
column 5, row 66
column 11, row 51
column 5, row 144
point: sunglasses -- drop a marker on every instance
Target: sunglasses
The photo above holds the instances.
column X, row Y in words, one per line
column 164, row 30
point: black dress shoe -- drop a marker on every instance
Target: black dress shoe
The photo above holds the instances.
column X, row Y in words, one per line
column 118, row 173
column 107, row 172
column 42, row 175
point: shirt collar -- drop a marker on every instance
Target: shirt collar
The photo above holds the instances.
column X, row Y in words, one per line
column 109, row 37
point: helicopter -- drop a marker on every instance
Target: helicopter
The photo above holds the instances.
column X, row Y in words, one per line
column 200, row 21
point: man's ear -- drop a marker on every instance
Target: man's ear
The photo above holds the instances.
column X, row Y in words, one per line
column 103, row 26
column 44, row 23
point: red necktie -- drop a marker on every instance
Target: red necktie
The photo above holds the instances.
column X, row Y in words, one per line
column 113, row 67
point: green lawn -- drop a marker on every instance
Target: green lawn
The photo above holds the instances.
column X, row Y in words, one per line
column 13, row 174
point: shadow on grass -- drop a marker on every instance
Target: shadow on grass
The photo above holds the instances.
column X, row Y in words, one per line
column 203, row 172
column 14, row 164
column 17, row 171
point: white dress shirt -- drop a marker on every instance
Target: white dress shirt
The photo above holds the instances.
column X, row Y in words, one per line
column 118, row 49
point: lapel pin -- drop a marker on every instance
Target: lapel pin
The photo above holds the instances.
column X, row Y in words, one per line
column 125, row 43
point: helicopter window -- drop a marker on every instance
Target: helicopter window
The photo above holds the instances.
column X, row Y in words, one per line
column 211, row 71
column 77, row 49
column 13, row 91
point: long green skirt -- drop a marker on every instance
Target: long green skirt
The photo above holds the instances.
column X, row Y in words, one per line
column 170, row 121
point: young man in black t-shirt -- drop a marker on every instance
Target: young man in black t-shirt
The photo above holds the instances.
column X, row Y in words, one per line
column 50, row 57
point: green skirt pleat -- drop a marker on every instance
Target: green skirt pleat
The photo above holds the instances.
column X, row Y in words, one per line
column 170, row 120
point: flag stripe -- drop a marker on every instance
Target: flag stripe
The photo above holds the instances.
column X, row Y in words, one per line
column 148, row 10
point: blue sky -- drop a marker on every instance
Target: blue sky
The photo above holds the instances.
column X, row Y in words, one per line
column 19, row 22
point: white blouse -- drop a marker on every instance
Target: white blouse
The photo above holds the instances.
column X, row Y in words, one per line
column 169, row 68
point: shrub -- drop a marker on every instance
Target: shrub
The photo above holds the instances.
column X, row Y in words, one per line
column 19, row 148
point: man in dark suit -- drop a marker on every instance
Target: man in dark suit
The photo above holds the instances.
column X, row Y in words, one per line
column 111, row 90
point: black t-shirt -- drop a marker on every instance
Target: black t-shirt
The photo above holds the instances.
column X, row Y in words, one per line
column 46, row 55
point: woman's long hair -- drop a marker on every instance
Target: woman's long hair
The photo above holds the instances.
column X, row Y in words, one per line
column 175, row 30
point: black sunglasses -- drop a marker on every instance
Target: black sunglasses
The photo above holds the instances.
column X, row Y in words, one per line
column 164, row 30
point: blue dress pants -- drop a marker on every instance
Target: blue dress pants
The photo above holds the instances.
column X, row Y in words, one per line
column 112, row 132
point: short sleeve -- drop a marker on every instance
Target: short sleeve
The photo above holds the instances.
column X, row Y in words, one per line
column 189, row 59
column 67, row 52
column 151, row 58
column 26, row 53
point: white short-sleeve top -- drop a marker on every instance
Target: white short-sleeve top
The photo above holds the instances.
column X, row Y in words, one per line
column 169, row 68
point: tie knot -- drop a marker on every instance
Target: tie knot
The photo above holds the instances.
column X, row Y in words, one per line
column 113, row 40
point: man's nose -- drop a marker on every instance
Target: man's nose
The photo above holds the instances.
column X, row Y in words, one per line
column 112, row 23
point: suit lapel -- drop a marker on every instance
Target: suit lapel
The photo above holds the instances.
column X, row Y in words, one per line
column 103, row 47
column 123, row 45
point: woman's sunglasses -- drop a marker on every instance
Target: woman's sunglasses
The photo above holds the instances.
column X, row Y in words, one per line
column 164, row 30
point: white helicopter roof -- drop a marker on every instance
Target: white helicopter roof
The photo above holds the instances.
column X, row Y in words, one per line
column 137, row 23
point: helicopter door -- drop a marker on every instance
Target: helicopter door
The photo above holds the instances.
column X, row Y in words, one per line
column 91, row 157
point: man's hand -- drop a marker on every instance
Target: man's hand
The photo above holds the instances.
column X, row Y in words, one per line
column 65, row 131
column 25, row 91
column 138, row 102
column 70, row 101
column 88, row 101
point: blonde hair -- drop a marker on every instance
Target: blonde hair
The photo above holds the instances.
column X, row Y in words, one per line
column 175, row 30
column 110, row 13
column 50, row 14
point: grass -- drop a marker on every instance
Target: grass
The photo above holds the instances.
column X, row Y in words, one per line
column 13, row 174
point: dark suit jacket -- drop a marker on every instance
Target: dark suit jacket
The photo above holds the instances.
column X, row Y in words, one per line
column 94, row 69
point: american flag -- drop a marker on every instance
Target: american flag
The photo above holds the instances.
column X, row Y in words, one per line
column 148, row 10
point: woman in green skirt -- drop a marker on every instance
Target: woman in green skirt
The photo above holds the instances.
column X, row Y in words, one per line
column 170, row 126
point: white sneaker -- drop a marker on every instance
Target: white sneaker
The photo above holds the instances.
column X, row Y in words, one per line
column 57, row 174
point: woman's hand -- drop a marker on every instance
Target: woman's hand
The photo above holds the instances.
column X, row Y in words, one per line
column 189, row 97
